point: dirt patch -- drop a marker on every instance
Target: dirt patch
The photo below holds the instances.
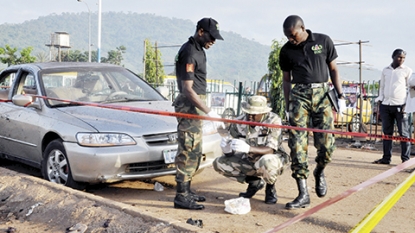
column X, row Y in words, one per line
column 28, row 204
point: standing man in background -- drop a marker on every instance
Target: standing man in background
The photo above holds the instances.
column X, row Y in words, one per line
column 410, row 104
column 392, row 98
column 307, row 60
column 191, row 81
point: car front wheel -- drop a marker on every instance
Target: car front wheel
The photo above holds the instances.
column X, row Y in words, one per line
column 56, row 168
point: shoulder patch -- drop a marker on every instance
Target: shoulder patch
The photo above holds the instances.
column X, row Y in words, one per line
column 190, row 68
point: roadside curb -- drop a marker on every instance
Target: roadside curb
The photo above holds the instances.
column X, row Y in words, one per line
column 30, row 181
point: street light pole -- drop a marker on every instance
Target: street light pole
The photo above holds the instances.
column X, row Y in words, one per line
column 89, row 31
column 99, row 33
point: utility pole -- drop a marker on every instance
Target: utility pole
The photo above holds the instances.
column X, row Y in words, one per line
column 89, row 31
column 144, row 61
column 360, row 62
column 99, row 33
column 154, row 58
column 157, row 66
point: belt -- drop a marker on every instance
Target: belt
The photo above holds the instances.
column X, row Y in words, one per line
column 312, row 85
column 202, row 97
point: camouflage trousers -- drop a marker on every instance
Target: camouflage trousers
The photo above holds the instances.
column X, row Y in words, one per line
column 309, row 107
column 238, row 166
column 189, row 137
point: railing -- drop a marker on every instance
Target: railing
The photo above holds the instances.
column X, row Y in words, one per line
column 225, row 98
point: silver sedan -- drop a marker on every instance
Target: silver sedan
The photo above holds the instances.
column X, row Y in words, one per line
column 75, row 142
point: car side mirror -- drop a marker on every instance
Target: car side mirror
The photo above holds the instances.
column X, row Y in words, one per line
column 25, row 101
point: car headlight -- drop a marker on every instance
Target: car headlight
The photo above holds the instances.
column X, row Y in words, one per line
column 208, row 128
column 104, row 139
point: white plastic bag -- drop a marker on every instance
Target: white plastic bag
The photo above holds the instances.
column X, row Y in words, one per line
column 158, row 187
column 238, row 205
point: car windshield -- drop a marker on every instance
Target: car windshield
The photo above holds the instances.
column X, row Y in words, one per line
column 67, row 87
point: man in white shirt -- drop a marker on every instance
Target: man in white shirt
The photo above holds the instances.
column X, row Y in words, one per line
column 392, row 97
column 410, row 101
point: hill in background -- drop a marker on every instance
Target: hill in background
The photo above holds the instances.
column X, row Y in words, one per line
column 235, row 58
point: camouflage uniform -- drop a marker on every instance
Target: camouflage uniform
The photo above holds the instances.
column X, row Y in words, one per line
column 189, row 139
column 269, row 166
column 309, row 103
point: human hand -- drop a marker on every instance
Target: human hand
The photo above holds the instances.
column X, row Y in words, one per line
column 218, row 124
column 342, row 106
column 225, row 144
column 240, row 146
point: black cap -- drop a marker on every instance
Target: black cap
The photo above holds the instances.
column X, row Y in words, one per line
column 210, row 25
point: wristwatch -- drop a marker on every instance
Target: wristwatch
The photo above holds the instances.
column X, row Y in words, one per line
column 340, row 95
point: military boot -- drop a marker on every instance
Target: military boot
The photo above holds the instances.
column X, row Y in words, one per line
column 184, row 199
column 321, row 186
column 270, row 194
column 303, row 199
column 196, row 197
column 254, row 184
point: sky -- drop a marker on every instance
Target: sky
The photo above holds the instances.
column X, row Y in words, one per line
column 382, row 25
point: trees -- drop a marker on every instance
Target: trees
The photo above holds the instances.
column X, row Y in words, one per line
column 115, row 56
column 74, row 56
column 154, row 69
column 275, row 76
column 7, row 55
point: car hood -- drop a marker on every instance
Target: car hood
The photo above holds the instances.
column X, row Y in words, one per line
column 133, row 123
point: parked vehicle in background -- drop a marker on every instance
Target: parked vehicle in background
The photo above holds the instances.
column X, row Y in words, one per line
column 355, row 110
column 76, row 143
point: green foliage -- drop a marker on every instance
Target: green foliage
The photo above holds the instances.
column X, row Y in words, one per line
column 25, row 56
column 154, row 71
column 8, row 56
column 115, row 56
column 42, row 57
column 74, row 56
column 275, row 76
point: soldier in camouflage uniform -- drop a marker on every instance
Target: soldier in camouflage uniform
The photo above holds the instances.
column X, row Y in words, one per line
column 254, row 154
column 306, row 60
column 191, row 82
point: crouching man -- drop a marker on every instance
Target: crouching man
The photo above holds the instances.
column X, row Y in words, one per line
column 253, row 154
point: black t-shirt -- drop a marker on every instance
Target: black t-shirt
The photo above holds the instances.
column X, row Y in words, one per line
column 308, row 61
column 191, row 65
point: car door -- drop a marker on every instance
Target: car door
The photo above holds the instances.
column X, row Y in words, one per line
column 20, row 132
column 6, row 81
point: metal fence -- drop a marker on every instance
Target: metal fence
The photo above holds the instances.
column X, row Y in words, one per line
column 225, row 98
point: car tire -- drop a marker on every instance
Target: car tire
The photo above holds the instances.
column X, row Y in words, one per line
column 355, row 126
column 56, row 168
